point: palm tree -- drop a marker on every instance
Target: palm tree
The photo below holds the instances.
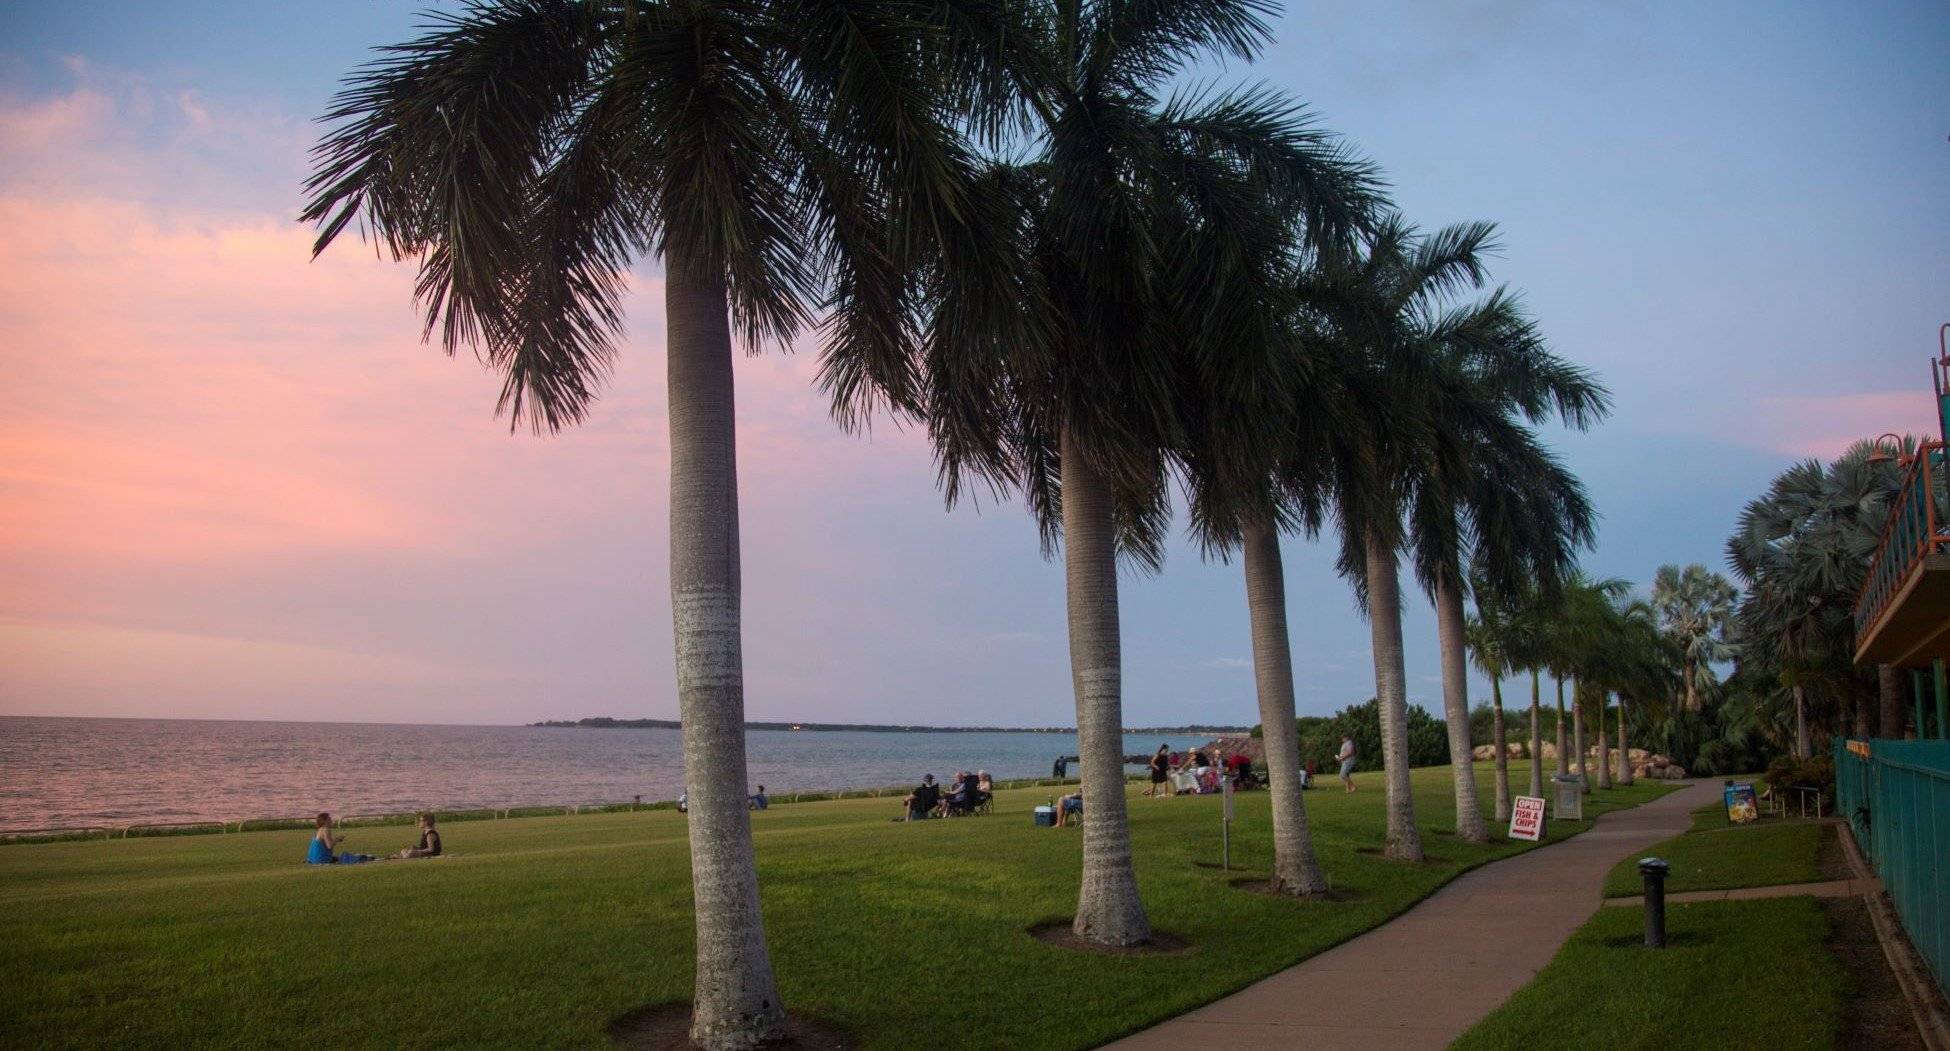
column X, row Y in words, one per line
column 1802, row 551
column 1156, row 232
column 1490, row 492
column 525, row 152
column 1695, row 607
column 1524, row 637
column 1587, row 619
column 1489, row 649
column 1383, row 304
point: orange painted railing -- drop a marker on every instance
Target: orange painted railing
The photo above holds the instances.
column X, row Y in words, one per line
column 1916, row 529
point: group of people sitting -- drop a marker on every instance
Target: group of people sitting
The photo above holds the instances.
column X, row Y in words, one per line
column 966, row 795
column 1199, row 771
column 325, row 843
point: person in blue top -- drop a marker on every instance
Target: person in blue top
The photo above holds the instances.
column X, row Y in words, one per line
column 324, row 846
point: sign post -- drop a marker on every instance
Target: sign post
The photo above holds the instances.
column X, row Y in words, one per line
column 1527, row 818
column 1225, row 822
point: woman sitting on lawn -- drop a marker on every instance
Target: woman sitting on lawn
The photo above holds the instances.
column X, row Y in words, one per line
column 324, row 844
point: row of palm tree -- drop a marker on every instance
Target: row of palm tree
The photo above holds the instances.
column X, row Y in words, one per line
column 1003, row 226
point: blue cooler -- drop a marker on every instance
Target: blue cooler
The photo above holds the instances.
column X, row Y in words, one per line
column 1045, row 817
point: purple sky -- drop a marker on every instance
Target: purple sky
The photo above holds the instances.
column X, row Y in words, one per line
column 233, row 483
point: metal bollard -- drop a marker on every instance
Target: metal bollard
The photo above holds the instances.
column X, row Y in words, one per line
column 1654, row 871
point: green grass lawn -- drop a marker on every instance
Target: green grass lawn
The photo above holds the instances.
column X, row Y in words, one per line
column 539, row 931
column 1718, row 856
column 1736, row 974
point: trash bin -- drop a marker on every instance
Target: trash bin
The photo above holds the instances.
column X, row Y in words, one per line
column 1570, row 797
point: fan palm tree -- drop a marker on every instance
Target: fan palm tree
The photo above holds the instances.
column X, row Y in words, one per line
column 1157, row 231
column 1695, row 607
column 526, row 152
column 1802, row 551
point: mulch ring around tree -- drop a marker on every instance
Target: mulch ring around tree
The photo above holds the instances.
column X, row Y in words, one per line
column 667, row 1027
column 1262, row 885
column 1060, row 934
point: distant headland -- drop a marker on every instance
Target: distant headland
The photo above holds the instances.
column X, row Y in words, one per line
column 604, row 722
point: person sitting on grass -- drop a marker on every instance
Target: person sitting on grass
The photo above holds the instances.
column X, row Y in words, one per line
column 1070, row 804
column 324, row 846
column 921, row 803
column 429, row 846
column 758, row 800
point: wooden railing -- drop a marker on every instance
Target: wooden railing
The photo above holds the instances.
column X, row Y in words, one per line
column 1916, row 529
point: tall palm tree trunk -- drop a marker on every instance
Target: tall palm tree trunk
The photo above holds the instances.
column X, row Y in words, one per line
column 1536, row 736
column 1391, row 697
column 1563, row 745
column 736, row 1002
column 1500, row 738
column 1604, row 746
column 1295, row 868
column 1889, row 682
column 1692, row 689
column 1109, row 910
column 1455, row 710
column 1582, row 769
column 1801, row 747
column 1624, row 745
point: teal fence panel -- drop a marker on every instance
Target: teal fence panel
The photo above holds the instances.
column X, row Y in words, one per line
column 1897, row 799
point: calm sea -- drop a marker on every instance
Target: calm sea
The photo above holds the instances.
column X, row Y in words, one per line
column 65, row 772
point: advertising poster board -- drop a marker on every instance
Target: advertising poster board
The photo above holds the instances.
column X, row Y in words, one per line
column 1742, row 805
column 1527, row 818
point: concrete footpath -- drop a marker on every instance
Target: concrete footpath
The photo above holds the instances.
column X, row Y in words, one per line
column 1423, row 978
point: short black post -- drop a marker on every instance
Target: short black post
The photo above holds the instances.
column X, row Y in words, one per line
column 1654, row 871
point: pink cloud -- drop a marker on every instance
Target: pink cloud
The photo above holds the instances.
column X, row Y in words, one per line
column 1824, row 425
column 220, row 453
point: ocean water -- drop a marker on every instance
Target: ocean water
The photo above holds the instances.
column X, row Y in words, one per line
column 59, row 772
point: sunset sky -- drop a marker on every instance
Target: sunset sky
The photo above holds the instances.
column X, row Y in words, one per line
column 233, row 482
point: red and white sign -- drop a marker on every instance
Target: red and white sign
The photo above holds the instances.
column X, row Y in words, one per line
column 1527, row 818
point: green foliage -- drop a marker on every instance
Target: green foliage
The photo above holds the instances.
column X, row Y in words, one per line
column 1516, row 721
column 1785, row 773
column 1746, row 974
column 1320, row 737
column 538, row 931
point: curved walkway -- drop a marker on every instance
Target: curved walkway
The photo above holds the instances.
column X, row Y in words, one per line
column 1424, row 977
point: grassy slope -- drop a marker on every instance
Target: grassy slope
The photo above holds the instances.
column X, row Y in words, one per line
column 1737, row 974
column 541, row 930
column 1716, row 856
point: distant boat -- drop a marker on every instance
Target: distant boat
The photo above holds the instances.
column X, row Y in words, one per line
column 796, row 726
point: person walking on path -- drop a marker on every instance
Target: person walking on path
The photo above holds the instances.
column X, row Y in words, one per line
column 1347, row 761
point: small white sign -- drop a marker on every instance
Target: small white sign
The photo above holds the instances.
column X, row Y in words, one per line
column 1527, row 818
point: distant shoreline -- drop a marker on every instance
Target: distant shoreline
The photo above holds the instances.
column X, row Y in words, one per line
column 604, row 722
